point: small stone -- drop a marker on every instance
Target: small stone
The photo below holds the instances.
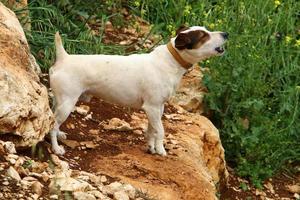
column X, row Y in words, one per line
column 55, row 159
column 34, row 196
column 54, row 196
column 83, row 196
column 115, row 186
column 45, row 176
column 121, row 195
column 37, row 188
column 293, row 188
column 94, row 131
column 97, row 194
column 138, row 132
column 297, row 196
column 117, row 124
column 5, row 183
column 11, row 172
column 103, row 179
column 130, row 190
column 71, row 143
column 88, row 144
column 9, row 147
column 82, row 109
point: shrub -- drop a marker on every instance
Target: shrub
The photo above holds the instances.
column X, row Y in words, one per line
column 254, row 88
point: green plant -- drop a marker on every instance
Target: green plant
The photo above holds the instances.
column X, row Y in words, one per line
column 73, row 19
column 254, row 88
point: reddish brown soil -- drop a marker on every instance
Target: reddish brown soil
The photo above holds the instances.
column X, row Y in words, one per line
column 113, row 143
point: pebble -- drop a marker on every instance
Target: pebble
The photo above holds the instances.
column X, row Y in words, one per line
column 37, row 188
column 11, row 172
column 121, row 195
column 5, row 183
column 103, row 179
column 54, row 196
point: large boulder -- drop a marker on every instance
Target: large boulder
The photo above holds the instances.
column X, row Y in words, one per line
column 25, row 115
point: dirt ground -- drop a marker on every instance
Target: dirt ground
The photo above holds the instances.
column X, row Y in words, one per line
column 110, row 144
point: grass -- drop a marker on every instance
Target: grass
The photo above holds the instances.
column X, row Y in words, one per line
column 254, row 89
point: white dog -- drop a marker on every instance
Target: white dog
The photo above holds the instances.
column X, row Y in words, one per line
column 140, row 80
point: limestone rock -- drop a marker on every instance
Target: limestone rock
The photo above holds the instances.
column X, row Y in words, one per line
column 37, row 188
column 25, row 114
column 118, row 125
column 121, row 195
column 11, row 172
column 194, row 166
column 83, row 196
column 190, row 92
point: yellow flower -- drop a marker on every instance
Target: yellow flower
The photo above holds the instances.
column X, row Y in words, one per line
column 297, row 44
column 187, row 10
column 288, row 39
column 137, row 3
column 277, row 3
column 211, row 26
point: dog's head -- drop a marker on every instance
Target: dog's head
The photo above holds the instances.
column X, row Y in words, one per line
column 200, row 43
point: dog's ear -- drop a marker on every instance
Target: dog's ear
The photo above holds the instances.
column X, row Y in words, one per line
column 190, row 39
column 181, row 28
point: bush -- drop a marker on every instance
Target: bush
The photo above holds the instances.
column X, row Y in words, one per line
column 72, row 19
column 254, row 88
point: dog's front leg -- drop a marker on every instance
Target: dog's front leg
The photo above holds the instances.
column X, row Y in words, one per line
column 155, row 132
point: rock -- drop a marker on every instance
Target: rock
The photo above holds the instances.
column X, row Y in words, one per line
column 103, row 179
column 270, row 187
column 130, row 190
column 117, row 124
column 5, row 183
column 97, row 194
column 197, row 168
column 83, row 196
column 114, row 187
column 54, row 196
column 82, row 109
column 89, row 144
column 94, row 131
column 25, row 114
column 71, row 143
column 293, row 188
column 190, row 92
column 121, row 195
column 9, row 147
column 37, row 188
column 11, row 172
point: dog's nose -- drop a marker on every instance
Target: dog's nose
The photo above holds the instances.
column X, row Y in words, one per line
column 225, row 35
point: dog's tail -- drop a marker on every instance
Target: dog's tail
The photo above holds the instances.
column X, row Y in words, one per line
column 60, row 51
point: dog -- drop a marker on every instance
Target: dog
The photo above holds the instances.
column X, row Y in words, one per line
column 143, row 81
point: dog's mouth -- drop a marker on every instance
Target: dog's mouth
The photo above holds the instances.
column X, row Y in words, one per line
column 220, row 50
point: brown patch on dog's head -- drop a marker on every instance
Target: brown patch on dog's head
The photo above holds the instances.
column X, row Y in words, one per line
column 191, row 39
column 181, row 28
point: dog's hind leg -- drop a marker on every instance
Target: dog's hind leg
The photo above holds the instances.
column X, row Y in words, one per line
column 155, row 134
column 63, row 109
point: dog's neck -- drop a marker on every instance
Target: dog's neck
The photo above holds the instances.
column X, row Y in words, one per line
column 177, row 57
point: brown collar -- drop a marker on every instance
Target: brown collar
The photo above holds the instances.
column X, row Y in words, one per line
column 177, row 57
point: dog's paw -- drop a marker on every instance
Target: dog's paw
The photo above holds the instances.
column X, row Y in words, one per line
column 61, row 135
column 151, row 149
column 161, row 151
column 59, row 150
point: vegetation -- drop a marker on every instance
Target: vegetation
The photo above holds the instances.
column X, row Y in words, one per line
column 254, row 89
